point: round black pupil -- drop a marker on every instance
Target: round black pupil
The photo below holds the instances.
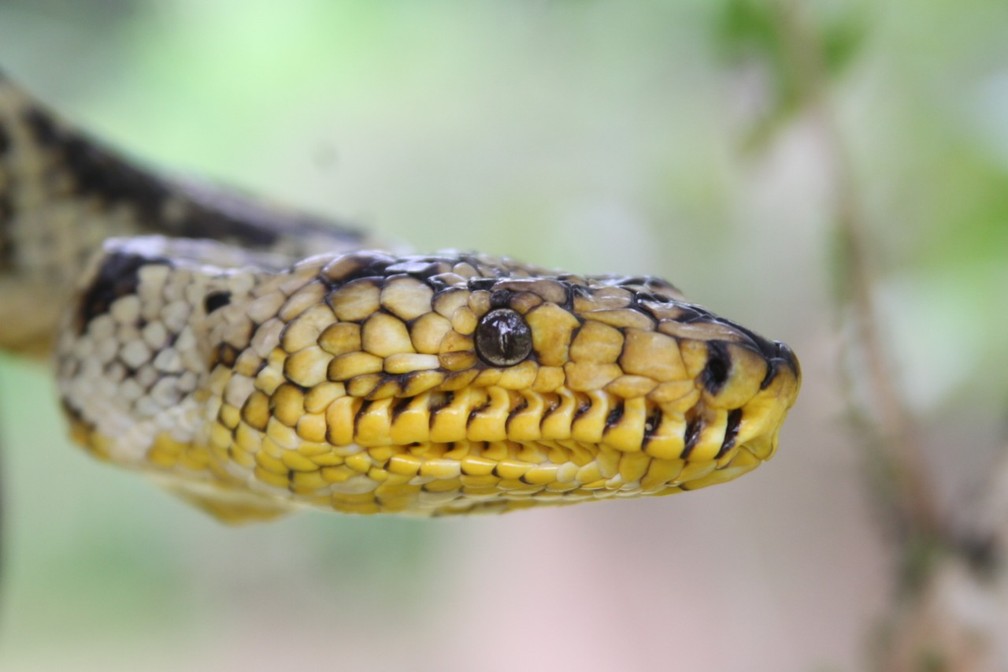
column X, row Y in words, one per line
column 503, row 338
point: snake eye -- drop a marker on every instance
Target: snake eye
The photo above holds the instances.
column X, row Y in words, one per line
column 503, row 338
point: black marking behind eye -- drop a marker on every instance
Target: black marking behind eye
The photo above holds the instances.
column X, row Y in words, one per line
column 715, row 374
column 503, row 338
column 5, row 143
column 216, row 300
column 118, row 276
column 731, row 431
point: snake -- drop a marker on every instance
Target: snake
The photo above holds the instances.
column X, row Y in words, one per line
column 257, row 361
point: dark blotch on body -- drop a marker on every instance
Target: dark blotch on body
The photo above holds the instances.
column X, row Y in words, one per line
column 97, row 172
column 208, row 212
column 118, row 276
column 216, row 300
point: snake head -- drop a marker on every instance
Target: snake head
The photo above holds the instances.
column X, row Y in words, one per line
column 439, row 384
column 657, row 375
column 511, row 385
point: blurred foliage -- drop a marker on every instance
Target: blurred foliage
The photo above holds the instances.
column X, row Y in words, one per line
column 749, row 28
column 756, row 32
column 666, row 138
column 931, row 179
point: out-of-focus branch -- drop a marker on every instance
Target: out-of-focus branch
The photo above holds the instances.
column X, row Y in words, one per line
column 801, row 58
column 953, row 613
column 896, row 435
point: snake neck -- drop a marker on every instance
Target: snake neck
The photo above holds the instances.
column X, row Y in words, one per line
column 133, row 351
column 61, row 194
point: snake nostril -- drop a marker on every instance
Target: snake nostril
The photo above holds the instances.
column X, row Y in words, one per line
column 787, row 355
column 780, row 354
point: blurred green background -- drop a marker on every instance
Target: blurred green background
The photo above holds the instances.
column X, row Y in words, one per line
column 649, row 137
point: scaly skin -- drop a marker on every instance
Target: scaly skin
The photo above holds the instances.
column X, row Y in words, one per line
column 359, row 381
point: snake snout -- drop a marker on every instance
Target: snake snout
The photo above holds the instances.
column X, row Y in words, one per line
column 780, row 355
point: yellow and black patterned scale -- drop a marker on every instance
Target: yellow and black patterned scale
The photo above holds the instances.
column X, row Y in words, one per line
column 255, row 361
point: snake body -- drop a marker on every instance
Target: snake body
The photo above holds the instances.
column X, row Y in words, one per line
column 256, row 361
